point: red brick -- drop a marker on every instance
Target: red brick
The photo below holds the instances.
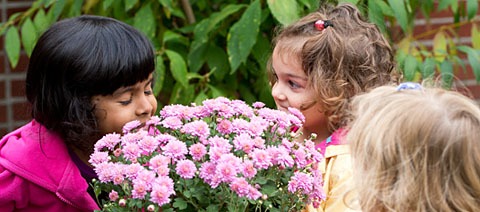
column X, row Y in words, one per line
column 21, row 111
column 11, row 11
column 3, row 132
column 472, row 91
column 462, row 31
column 465, row 75
column 2, row 43
column 2, row 89
column 3, row 113
column 18, row 88
column 22, row 64
column 2, row 63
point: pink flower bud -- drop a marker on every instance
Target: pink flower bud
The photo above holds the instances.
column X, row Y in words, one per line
column 122, row 203
column 264, row 197
column 117, row 152
column 151, row 208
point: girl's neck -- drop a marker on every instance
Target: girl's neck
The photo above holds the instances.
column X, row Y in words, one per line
column 322, row 134
column 84, row 157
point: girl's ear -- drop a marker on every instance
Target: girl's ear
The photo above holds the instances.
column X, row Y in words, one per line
column 94, row 100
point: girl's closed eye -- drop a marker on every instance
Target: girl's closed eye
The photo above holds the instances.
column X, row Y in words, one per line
column 294, row 85
column 127, row 101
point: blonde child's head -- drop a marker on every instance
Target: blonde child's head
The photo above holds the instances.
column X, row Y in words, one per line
column 335, row 63
column 416, row 150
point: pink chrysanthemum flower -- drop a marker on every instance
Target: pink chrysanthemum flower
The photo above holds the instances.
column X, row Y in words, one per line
column 105, row 172
column 253, row 193
column 139, row 189
column 241, row 108
column 160, row 195
column 154, row 120
column 259, row 142
column 133, row 137
column 109, row 140
column 231, row 159
column 261, row 158
column 287, row 143
column 258, row 104
column 165, row 138
column 131, row 170
column 221, row 143
column 162, row 170
column 159, row 160
column 131, row 151
column 98, row 157
column 145, row 176
column 175, row 149
column 166, row 182
column 240, row 186
column 207, row 170
column 281, row 156
column 197, row 151
column 113, row 195
column 216, row 152
column 226, row 172
column 240, row 126
column 172, row 123
column 225, row 127
column 215, row 180
column 297, row 113
column 243, row 142
column 130, row 126
column 186, row 169
column 300, row 157
column 118, row 179
column 248, row 169
column 257, row 126
column 149, row 144
column 300, row 181
column 197, row 128
column 180, row 111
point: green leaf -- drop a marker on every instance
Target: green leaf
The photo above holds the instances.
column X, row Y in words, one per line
column 177, row 67
column 354, row 2
column 76, row 8
column 145, row 21
column 446, row 71
column 29, row 36
column 159, row 74
column 216, row 92
column 12, row 45
column 243, row 35
column 476, row 36
column 200, row 98
column 41, row 22
column 285, row 11
column 443, row 4
column 472, row 8
column 180, row 203
column 170, row 36
column 56, row 10
column 107, row 4
column 428, row 68
column 386, row 10
column 212, row 208
column 217, row 17
column 410, row 67
column 310, row 4
column 129, row 4
column 473, row 59
column 440, row 46
column 246, row 94
column 262, row 50
column 375, row 15
column 400, row 13
column 217, row 60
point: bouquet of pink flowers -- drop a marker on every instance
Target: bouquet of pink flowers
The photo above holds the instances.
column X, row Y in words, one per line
column 221, row 156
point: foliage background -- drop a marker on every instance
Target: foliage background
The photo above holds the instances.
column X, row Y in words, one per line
column 210, row 48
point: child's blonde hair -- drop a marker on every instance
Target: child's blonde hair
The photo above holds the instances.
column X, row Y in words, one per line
column 345, row 59
column 416, row 150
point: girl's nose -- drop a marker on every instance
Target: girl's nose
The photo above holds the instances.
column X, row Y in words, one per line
column 144, row 106
column 277, row 92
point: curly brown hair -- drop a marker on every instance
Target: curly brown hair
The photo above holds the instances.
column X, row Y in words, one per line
column 340, row 61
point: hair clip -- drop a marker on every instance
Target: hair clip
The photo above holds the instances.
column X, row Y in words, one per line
column 322, row 24
column 409, row 86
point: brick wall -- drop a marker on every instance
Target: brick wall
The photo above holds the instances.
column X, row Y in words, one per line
column 14, row 111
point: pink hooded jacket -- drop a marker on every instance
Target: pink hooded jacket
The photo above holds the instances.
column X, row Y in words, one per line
column 38, row 176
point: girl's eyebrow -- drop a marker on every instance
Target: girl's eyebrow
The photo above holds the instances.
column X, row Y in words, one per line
column 122, row 91
column 149, row 82
column 297, row 77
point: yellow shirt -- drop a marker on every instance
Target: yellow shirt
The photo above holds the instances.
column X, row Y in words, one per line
column 337, row 173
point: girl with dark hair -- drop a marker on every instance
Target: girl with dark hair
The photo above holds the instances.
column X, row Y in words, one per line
column 87, row 76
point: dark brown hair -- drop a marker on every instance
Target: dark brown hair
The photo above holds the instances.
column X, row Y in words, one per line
column 340, row 61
